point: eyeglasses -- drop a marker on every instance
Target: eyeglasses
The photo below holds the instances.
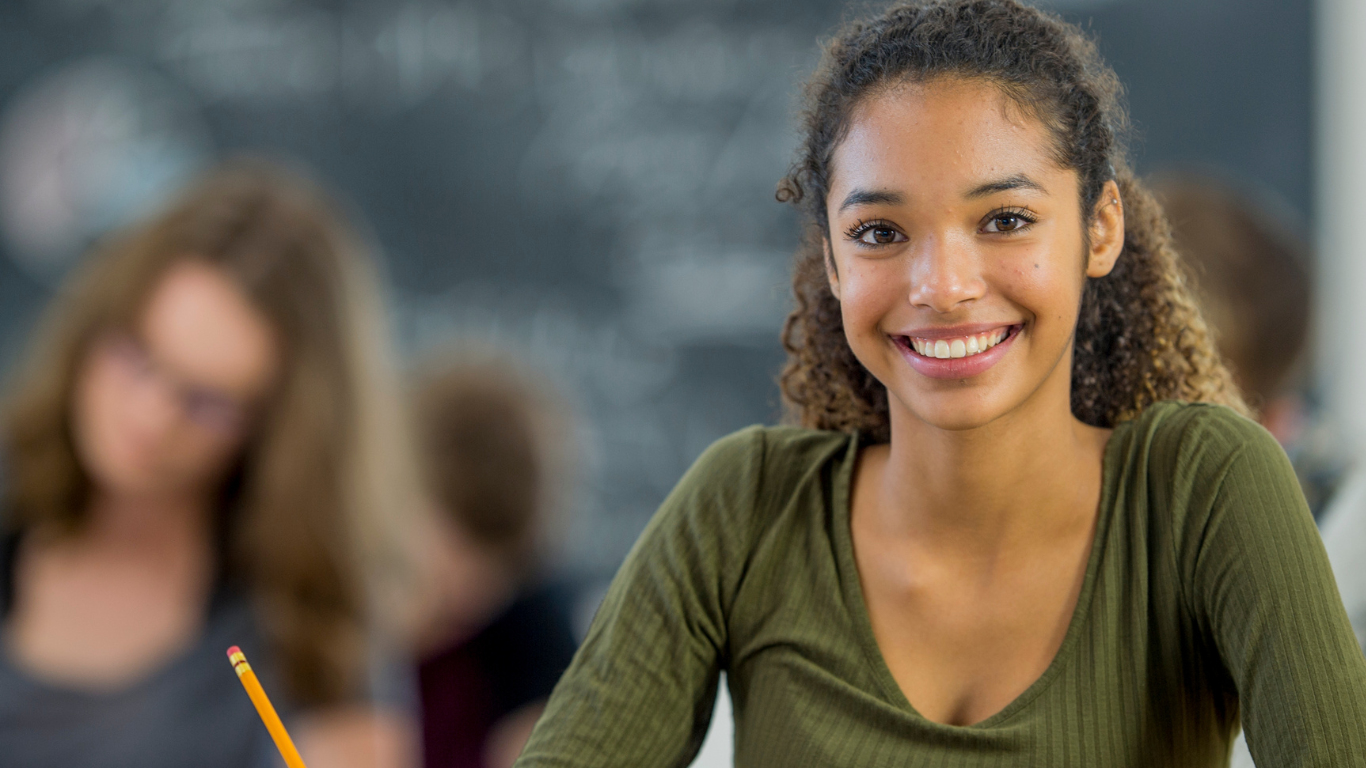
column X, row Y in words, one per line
column 205, row 407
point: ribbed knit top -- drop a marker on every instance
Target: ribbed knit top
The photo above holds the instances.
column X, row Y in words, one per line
column 1207, row 596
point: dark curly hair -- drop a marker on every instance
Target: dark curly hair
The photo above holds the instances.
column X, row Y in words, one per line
column 1140, row 337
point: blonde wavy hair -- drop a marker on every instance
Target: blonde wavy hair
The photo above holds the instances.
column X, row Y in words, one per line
column 312, row 514
column 1140, row 337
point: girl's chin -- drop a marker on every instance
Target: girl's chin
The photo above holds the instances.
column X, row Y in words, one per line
column 958, row 404
column 957, row 412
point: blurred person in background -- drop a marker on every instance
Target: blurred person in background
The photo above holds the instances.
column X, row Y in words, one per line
column 498, row 636
column 206, row 449
column 1252, row 274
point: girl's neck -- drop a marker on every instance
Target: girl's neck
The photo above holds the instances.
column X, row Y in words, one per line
column 105, row 606
column 1026, row 475
column 147, row 523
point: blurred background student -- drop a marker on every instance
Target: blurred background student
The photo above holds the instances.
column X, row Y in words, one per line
column 497, row 637
column 205, row 449
column 1251, row 267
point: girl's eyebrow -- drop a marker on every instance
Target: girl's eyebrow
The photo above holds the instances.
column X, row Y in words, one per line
column 887, row 197
column 1018, row 181
column 870, row 197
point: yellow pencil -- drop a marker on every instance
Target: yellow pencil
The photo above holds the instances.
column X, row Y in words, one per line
column 264, row 709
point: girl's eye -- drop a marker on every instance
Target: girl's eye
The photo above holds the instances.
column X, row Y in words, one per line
column 1007, row 221
column 878, row 234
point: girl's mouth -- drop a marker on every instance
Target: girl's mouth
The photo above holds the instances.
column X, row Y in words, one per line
column 957, row 357
column 962, row 346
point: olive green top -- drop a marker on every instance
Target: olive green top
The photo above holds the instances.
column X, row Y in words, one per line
column 1207, row 594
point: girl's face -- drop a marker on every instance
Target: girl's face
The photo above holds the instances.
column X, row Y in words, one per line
column 164, row 407
column 957, row 251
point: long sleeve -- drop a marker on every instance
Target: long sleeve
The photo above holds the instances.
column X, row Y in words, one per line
column 1262, row 588
column 640, row 690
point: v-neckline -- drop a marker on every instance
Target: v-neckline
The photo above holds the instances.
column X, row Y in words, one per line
column 863, row 625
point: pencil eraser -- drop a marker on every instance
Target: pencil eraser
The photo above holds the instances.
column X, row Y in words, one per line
column 233, row 650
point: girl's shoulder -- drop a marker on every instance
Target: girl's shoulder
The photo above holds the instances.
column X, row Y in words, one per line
column 741, row 480
column 1195, row 467
column 1196, row 437
column 767, row 458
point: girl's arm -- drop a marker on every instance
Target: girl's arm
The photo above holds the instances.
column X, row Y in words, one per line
column 640, row 691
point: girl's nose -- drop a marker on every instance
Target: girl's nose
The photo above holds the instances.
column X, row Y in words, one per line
column 945, row 274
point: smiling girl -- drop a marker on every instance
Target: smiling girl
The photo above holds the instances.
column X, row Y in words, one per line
column 1027, row 521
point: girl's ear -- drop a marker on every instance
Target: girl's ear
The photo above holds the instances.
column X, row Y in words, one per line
column 1107, row 232
column 831, row 274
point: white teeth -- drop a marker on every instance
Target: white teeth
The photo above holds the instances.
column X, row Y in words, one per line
column 963, row 346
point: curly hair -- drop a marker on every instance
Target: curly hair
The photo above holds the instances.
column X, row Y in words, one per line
column 1140, row 337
